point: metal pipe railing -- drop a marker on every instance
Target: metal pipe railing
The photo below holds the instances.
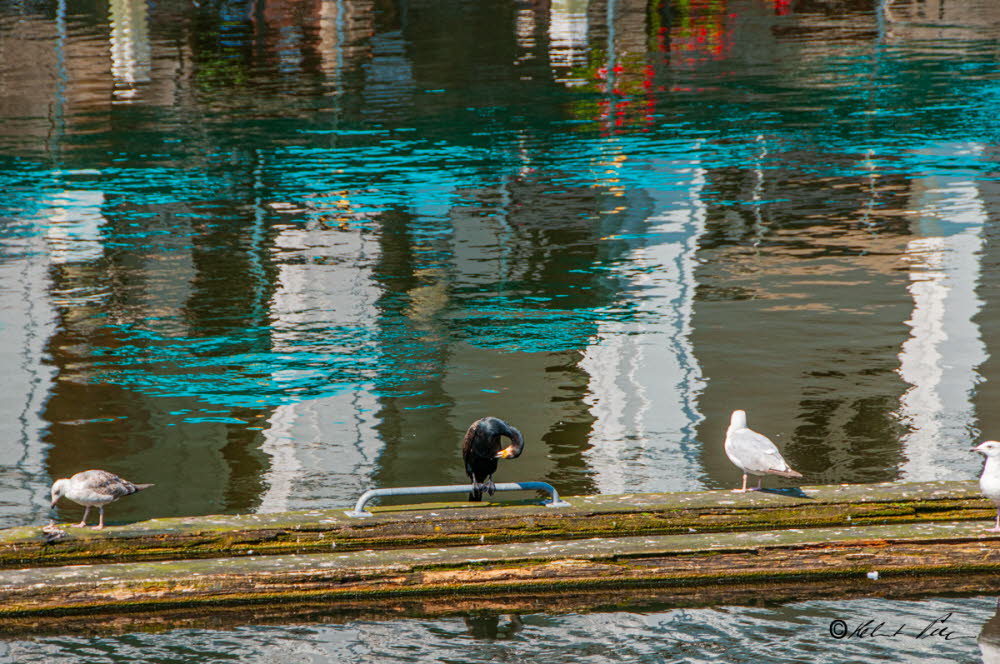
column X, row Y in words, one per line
column 359, row 507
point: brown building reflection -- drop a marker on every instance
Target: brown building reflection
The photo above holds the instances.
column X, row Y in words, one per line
column 798, row 315
column 914, row 21
column 889, row 272
column 987, row 392
column 828, row 399
column 465, row 315
column 120, row 310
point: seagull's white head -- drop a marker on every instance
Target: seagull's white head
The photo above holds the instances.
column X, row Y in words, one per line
column 990, row 448
column 58, row 490
column 738, row 420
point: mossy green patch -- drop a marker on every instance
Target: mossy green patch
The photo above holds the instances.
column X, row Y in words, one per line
column 450, row 524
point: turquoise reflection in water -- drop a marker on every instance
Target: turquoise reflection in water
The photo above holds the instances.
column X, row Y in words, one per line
column 241, row 368
column 613, row 223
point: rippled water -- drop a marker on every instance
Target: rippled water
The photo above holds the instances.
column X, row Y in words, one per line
column 947, row 631
column 268, row 254
column 289, row 250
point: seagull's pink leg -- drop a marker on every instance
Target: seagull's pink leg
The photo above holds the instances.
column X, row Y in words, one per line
column 996, row 528
column 100, row 524
column 83, row 522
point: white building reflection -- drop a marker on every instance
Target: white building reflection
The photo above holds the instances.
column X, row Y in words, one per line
column 941, row 358
column 73, row 226
column 131, row 55
column 644, row 376
column 322, row 448
column 568, row 39
column 29, row 321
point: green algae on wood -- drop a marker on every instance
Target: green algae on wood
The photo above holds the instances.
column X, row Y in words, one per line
column 456, row 524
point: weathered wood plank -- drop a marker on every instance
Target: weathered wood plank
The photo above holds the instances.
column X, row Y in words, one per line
column 651, row 597
column 455, row 524
column 712, row 562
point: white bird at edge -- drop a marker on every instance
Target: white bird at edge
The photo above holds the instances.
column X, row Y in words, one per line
column 94, row 488
column 753, row 453
column 989, row 481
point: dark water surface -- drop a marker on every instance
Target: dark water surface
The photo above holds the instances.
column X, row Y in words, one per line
column 269, row 253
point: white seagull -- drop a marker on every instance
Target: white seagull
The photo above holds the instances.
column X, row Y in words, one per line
column 753, row 453
column 989, row 481
column 94, row 488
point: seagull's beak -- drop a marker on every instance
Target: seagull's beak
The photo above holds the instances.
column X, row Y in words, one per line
column 504, row 453
column 975, row 449
column 54, row 502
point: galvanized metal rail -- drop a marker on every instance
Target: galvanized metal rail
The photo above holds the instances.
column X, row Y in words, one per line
column 359, row 507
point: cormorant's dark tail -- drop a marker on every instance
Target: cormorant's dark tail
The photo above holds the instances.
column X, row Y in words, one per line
column 476, row 495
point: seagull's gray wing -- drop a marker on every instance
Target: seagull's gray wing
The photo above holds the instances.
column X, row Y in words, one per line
column 107, row 484
column 756, row 453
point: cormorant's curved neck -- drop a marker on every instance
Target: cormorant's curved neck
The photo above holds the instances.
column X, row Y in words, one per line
column 517, row 440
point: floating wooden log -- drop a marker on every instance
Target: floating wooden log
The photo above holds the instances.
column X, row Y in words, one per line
column 706, row 560
column 715, row 546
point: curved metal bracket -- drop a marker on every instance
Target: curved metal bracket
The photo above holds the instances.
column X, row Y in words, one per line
column 359, row 507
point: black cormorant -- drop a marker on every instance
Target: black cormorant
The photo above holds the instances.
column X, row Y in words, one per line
column 481, row 450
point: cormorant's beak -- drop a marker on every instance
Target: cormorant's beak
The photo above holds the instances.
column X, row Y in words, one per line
column 504, row 453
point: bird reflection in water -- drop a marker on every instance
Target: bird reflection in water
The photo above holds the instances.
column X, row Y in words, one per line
column 488, row 626
column 989, row 639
